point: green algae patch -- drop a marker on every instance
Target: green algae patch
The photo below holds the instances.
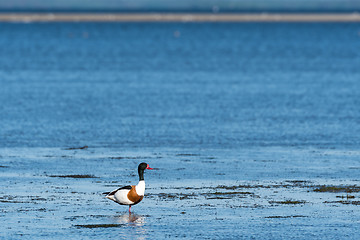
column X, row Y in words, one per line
column 336, row 189
column 99, row 226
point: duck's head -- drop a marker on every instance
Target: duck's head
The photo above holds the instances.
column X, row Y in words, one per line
column 144, row 166
column 141, row 169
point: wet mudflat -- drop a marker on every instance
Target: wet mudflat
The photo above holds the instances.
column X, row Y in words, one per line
column 254, row 193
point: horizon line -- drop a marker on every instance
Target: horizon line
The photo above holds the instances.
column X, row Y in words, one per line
column 179, row 17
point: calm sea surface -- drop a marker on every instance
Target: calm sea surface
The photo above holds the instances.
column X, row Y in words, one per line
column 179, row 85
column 253, row 130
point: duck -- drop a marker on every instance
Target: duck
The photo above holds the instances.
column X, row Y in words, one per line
column 131, row 195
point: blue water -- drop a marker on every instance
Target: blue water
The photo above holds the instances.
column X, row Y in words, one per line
column 207, row 85
column 268, row 110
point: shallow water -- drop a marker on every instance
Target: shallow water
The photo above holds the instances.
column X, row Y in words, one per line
column 251, row 129
column 254, row 193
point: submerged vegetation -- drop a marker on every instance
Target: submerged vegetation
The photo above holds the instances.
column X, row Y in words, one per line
column 336, row 189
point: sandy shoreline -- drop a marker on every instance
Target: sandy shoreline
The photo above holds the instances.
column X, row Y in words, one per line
column 120, row 17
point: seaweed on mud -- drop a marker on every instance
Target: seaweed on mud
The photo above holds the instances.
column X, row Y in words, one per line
column 74, row 176
column 218, row 197
column 37, row 198
column 336, row 189
column 290, row 202
column 345, row 202
column 347, row 196
column 99, row 225
column 174, row 196
column 32, row 209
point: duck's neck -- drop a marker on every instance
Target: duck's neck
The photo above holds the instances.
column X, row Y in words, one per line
column 141, row 175
column 140, row 187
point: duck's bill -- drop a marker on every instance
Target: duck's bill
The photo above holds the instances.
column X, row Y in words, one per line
column 148, row 167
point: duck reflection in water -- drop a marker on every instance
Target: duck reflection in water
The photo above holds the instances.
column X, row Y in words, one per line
column 131, row 219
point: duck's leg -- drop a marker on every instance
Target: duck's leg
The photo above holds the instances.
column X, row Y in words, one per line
column 129, row 208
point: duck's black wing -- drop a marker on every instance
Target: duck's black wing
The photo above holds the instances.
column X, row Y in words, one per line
column 113, row 192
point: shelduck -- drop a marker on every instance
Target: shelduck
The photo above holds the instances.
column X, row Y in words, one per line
column 131, row 195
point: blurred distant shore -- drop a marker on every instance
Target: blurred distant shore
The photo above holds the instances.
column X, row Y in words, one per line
column 179, row 17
